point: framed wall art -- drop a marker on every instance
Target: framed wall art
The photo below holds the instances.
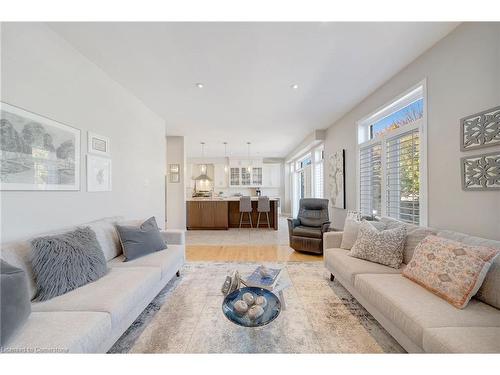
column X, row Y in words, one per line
column 99, row 174
column 37, row 153
column 480, row 130
column 98, row 144
column 336, row 178
column 481, row 172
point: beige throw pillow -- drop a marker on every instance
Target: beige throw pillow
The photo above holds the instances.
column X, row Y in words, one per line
column 384, row 246
column 351, row 229
column 450, row 269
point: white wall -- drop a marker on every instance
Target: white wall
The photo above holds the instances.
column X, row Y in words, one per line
column 463, row 77
column 176, row 199
column 42, row 73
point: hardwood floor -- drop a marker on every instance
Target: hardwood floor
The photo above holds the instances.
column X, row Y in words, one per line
column 247, row 253
column 244, row 245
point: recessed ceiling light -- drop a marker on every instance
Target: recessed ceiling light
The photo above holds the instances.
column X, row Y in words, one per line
column 295, row 86
column 199, row 85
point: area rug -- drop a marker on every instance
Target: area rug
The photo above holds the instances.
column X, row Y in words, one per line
column 320, row 317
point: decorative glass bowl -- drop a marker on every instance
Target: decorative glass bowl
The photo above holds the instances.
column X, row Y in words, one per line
column 271, row 310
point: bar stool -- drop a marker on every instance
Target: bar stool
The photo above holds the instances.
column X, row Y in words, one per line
column 246, row 206
column 263, row 206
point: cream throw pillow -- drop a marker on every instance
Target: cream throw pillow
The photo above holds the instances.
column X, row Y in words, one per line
column 351, row 229
column 384, row 247
column 452, row 270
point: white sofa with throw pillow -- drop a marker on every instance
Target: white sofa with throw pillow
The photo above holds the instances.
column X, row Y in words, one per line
column 418, row 319
column 91, row 318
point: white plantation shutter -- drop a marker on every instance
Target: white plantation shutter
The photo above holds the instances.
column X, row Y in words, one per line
column 370, row 165
column 318, row 180
column 402, row 164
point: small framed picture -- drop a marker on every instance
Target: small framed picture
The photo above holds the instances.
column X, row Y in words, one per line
column 174, row 177
column 98, row 144
column 174, row 168
column 174, row 172
column 99, row 175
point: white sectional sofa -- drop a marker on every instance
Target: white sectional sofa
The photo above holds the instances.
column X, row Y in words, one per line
column 419, row 320
column 91, row 318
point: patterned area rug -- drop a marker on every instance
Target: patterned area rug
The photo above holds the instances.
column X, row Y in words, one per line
column 321, row 317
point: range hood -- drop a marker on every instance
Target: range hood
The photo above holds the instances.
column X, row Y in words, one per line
column 203, row 177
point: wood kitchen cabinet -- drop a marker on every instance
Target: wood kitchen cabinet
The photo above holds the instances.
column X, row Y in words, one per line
column 207, row 214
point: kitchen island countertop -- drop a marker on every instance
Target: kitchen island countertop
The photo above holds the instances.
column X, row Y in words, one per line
column 228, row 199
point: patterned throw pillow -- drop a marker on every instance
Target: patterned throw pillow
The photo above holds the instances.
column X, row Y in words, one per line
column 384, row 246
column 351, row 229
column 452, row 270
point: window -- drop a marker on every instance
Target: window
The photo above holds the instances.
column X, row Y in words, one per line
column 391, row 162
column 370, row 179
column 318, row 172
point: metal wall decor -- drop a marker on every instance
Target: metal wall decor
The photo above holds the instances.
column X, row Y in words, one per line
column 481, row 172
column 480, row 130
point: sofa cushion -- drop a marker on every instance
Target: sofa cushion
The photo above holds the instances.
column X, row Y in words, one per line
column 169, row 261
column 414, row 235
column 116, row 293
column 311, row 232
column 15, row 305
column 490, row 290
column 18, row 253
column 413, row 308
column 450, row 269
column 384, row 247
column 64, row 262
column 351, row 229
column 462, row 340
column 62, row 331
column 107, row 236
column 338, row 261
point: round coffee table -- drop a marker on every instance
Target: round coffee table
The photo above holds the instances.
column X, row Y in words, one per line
column 271, row 311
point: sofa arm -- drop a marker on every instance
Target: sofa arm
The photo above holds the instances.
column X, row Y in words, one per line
column 174, row 236
column 292, row 223
column 332, row 240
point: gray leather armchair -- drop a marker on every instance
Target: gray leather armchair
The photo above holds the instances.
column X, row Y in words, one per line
column 306, row 231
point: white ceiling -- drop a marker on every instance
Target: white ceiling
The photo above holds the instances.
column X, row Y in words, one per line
column 247, row 70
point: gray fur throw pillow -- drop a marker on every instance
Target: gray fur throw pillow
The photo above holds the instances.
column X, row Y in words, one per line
column 384, row 246
column 65, row 262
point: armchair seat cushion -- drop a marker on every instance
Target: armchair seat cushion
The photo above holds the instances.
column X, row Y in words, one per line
column 311, row 232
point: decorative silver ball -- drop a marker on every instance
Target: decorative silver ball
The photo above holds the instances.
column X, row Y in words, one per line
column 261, row 301
column 249, row 298
column 240, row 307
column 255, row 312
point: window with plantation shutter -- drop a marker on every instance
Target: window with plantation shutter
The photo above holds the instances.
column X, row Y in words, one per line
column 391, row 161
column 370, row 179
column 402, row 160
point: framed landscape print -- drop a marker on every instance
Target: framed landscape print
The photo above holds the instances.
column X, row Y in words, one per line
column 98, row 173
column 336, row 178
column 37, row 153
column 98, row 144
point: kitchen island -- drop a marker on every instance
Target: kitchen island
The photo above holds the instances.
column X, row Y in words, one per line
column 224, row 213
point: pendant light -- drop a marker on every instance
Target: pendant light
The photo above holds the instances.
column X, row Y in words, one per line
column 203, row 177
column 225, row 158
column 203, row 167
column 249, row 168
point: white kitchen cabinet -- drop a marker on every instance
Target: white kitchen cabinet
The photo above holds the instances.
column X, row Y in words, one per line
column 271, row 175
column 220, row 176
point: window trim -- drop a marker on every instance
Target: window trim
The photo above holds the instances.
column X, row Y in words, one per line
column 363, row 126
